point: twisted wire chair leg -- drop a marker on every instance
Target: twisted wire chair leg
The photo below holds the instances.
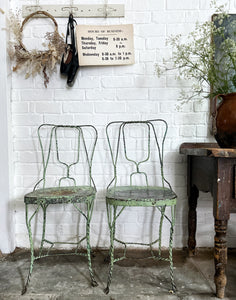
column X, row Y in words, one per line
column 112, row 226
column 24, row 290
column 162, row 210
column 173, row 286
column 108, row 208
column 93, row 281
column 44, row 229
column 32, row 258
column 89, row 213
column 111, row 265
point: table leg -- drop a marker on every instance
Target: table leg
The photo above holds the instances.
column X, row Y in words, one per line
column 192, row 219
column 220, row 257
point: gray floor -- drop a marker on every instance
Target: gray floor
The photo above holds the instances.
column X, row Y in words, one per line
column 67, row 277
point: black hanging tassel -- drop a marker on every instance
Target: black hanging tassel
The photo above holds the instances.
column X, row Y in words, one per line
column 70, row 61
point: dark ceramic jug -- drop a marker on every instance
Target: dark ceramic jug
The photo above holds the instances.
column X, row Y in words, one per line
column 224, row 120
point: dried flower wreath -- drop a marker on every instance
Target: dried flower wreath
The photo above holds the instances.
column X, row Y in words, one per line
column 35, row 61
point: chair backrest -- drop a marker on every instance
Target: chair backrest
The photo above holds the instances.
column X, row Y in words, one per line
column 140, row 144
column 67, row 154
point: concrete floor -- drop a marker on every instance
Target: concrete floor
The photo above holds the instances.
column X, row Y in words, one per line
column 67, row 278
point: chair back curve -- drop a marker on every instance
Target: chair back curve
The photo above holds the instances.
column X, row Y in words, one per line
column 67, row 154
column 137, row 150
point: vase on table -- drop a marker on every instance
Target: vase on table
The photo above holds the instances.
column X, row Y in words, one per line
column 224, row 120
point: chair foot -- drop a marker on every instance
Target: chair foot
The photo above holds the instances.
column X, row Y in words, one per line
column 173, row 289
column 106, row 290
column 24, row 290
column 94, row 283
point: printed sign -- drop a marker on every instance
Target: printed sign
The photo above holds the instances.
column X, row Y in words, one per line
column 105, row 45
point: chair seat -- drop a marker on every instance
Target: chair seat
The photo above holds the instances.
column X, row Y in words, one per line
column 56, row 195
column 140, row 196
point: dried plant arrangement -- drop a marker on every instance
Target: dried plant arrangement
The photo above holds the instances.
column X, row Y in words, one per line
column 34, row 61
column 206, row 57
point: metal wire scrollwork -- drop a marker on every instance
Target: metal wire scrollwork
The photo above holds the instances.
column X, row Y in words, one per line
column 139, row 195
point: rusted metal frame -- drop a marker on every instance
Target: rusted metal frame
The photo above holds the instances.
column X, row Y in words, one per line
column 90, row 205
column 82, row 213
column 43, row 240
column 63, row 163
column 114, row 156
column 45, row 160
column 162, row 211
column 113, row 203
column 32, row 257
column 134, row 243
column 150, row 203
column 61, row 254
column 172, row 224
column 90, row 159
column 88, row 218
column 161, row 148
column 170, row 259
column 137, row 164
column 43, row 203
column 112, row 226
column 173, row 213
column 44, row 208
column 164, row 215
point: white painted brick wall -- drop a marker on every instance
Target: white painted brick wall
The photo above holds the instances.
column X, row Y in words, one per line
column 104, row 94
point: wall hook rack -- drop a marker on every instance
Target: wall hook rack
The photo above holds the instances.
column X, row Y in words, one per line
column 80, row 11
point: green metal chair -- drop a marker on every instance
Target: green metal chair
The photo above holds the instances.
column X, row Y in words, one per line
column 55, row 142
column 145, row 142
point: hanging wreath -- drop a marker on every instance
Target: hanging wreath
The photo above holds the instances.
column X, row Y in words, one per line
column 35, row 61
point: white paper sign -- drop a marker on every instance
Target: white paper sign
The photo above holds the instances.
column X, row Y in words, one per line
column 105, row 45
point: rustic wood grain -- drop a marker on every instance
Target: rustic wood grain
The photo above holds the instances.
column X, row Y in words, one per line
column 211, row 169
column 206, row 149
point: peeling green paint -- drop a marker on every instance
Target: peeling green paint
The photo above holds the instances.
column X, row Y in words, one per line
column 120, row 197
column 43, row 197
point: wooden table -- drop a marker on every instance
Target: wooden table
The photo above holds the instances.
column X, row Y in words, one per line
column 212, row 169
